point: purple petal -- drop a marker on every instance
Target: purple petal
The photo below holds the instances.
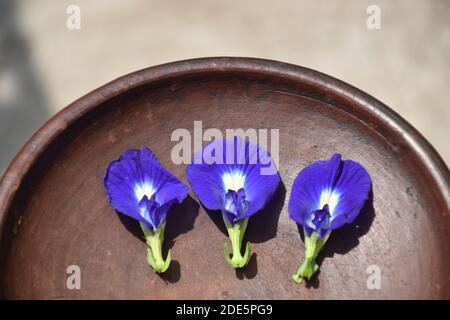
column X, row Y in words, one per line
column 341, row 186
column 354, row 185
column 236, row 205
column 235, row 164
column 308, row 187
column 138, row 186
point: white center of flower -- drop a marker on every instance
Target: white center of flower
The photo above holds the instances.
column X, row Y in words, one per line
column 144, row 189
column 331, row 198
column 233, row 180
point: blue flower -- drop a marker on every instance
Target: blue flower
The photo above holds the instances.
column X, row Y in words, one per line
column 139, row 187
column 238, row 178
column 326, row 195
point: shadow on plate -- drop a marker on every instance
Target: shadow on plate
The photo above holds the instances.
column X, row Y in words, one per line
column 250, row 271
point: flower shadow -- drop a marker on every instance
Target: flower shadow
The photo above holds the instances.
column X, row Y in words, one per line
column 344, row 239
column 173, row 274
column 250, row 271
column 263, row 226
column 180, row 220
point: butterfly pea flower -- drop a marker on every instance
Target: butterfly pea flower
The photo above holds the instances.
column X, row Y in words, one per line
column 238, row 178
column 326, row 195
column 141, row 188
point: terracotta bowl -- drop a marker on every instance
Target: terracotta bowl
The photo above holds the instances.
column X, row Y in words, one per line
column 54, row 211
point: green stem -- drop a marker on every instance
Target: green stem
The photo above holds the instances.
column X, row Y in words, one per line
column 236, row 234
column 313, row 245
column 155, row 241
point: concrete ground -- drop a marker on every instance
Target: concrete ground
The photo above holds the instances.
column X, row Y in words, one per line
column 44, row 65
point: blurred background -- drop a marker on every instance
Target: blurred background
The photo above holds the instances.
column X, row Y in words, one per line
column 45, row 65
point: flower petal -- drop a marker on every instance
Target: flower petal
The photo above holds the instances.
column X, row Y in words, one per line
column 259, row 188
column 138, row 175
column 353, row 185
column 225, row 165
column 341, row 186
column 311, row 184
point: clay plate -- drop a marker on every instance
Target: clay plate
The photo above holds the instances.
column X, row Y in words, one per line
column 54, row 212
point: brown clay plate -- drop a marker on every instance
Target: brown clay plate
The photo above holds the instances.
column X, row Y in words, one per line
column 54, row 212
